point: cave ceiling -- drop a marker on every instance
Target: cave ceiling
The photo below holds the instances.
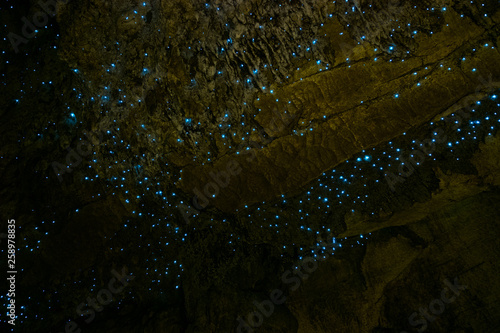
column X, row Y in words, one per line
column 208, row 146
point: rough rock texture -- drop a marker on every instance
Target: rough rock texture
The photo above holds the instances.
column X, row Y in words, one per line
column 309, row 108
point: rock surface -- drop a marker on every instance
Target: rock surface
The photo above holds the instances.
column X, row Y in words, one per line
column 370, row 128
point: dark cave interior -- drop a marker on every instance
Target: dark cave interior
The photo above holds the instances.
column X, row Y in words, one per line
column 250, row 166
